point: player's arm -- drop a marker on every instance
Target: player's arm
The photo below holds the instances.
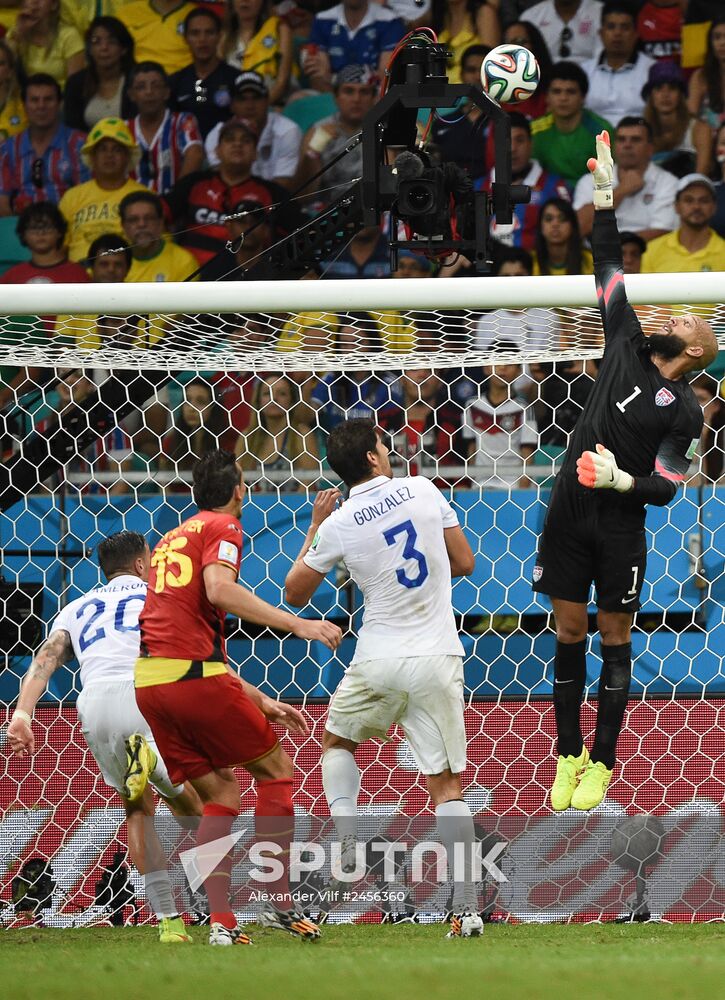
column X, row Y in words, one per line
column 276, row 711
column 226, row 594
column 55, row 651
column 598, row 470
column 618, row 317
column 460, row 554
column 302, row 580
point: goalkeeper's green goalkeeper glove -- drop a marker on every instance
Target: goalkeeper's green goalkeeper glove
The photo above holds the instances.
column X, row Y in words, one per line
column 598, row 470
column 602, row 170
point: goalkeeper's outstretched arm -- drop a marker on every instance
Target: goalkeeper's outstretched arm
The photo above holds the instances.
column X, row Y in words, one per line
column 618, row 317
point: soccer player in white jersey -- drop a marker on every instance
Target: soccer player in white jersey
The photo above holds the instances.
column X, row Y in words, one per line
column 101, row 630
column 402, row 543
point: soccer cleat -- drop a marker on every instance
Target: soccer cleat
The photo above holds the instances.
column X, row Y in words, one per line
column 222, row 937
column 465, row 925
column 592, row 786
column 172, row 930
column 140, row 762
column 292, row 921
column 568, row 772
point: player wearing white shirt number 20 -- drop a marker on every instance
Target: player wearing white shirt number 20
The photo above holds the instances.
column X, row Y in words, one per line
column 101, row 630
column 401, row 543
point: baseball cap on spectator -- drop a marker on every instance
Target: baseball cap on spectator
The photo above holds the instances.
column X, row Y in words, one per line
column 110, row 128
column 689, row 179
column 235, row 123
column 356, row 73
column 251, row 81
column 661, row 73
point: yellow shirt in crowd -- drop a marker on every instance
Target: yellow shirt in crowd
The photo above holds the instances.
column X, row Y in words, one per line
column 160, row 39
column 91, row 211
column 666, row 253
column 171, row 263
column 556, row 269
column 67, row 43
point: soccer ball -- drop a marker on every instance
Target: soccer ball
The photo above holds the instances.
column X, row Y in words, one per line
column 509, row 74
column 637, row 842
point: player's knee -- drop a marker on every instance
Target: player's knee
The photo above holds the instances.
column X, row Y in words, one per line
column 571, row 631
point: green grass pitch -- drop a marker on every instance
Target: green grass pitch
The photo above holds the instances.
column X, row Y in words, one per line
column 401, row 962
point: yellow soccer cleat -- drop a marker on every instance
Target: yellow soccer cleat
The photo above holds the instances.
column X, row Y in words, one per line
column 172, row 930
column 592, row 786
column 140, row 762
column 568, row 772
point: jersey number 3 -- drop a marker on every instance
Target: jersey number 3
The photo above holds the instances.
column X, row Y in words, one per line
column 409, row 552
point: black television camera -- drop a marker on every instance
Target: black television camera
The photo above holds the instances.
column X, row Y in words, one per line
column 434, row 203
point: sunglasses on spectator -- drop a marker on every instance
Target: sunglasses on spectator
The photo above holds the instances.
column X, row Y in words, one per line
column 36, row 173
column 564, row 39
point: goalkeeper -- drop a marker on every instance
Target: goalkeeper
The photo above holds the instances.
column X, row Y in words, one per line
column 631, row 446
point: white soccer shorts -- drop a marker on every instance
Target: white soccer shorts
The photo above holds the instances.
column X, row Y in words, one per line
column 108, row 714
column 423, row 694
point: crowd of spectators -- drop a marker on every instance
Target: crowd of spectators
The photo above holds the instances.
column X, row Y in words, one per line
column 162, row 140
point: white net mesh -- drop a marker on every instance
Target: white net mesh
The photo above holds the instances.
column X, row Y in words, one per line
column 103, row 419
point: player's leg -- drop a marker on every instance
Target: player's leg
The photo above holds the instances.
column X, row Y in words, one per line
column 147, row 854
column 620, row 571
column 275, row 823
column 109, row 714
column 615, row 630
column 564, row 571
column 363, row 707
column 341, row 784
column 454, row 824
column 219, row 793
column 434, row 725
column 570, row 674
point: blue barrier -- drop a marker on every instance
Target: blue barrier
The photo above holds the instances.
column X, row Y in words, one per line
column 502, row 529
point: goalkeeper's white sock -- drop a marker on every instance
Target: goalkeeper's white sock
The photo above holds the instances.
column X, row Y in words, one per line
column 159, row 894
column 455, row 826
column 341, row 782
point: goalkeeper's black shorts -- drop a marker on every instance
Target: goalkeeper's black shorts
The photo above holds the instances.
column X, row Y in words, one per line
column 591, row 537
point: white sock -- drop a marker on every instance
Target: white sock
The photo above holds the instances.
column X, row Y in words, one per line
column 159, row 894
column 455, row 825
column 341, row 782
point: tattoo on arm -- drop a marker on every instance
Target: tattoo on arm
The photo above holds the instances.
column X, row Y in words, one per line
column 55, row 651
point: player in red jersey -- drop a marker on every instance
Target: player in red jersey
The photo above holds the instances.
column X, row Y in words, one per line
column 205, row 719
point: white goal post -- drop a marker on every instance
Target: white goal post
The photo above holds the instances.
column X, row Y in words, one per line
column 268, row 367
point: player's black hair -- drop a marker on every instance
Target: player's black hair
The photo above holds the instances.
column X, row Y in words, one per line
column 635, row 121
column 618, row 7
column 41, row 80
column 108, row 243
column 42, row 211
column 202, row 12
column 347, row 449
column 520, row 121
column 148, row 66
column 570, row 72
column 118, row 552
column 141, row 196
column 214, row 477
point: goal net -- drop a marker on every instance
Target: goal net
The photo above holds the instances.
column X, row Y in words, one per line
column 110, row 393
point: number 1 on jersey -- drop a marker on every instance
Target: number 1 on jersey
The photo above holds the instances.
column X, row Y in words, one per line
column 409, row 552
column 633, row 395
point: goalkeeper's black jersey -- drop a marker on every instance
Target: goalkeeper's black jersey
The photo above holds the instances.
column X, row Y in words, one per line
column 650, row 423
